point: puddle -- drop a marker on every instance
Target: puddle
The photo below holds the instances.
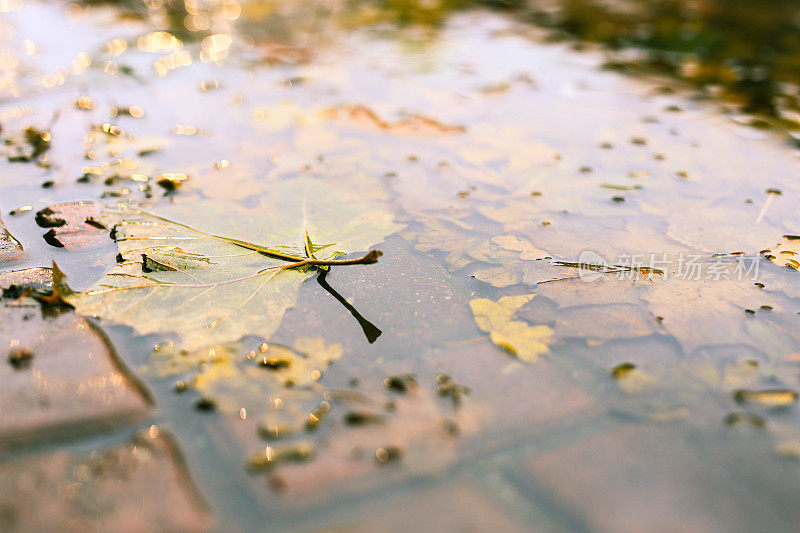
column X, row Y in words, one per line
column 567, row 254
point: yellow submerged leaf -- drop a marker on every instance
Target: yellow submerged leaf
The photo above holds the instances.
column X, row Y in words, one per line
column 233, row 379
column 515, row 336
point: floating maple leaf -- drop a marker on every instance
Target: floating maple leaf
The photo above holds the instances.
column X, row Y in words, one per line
column 211, row 289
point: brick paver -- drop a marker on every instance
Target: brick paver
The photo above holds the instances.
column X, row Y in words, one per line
column 60, row 375
column 137, row 485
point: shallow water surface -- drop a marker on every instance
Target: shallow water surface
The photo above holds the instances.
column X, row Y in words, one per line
column 584, row 315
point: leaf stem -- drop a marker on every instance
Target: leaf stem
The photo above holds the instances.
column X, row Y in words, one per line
column 368, row 259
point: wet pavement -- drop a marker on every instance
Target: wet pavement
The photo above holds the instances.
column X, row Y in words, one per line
column 583, row 316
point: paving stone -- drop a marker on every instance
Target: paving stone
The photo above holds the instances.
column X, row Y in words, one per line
column 510, row 395
column 60, row 376
column 139, row 485
column 456, row 505
column 507, row 401
column 416, row 430
column 638, row 478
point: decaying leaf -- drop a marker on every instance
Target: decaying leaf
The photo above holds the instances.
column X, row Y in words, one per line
column 17, row 281
column 515, row 244
column 120, row 160
column 497, row 276
column 250, row 383
column 233, row 379
column 516, row 336
column 452, row 237
column 73, row 225
column 10, row 248
column 27, row 145
column 411, row 123
column 464, row 244
column 786, row 253
column 210, row 290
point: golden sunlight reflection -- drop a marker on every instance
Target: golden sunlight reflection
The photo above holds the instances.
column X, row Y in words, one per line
column 396, row 263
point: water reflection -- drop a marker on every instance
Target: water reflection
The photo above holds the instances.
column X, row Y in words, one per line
column 491, row 164
column 742, row 51
column 371, row 331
